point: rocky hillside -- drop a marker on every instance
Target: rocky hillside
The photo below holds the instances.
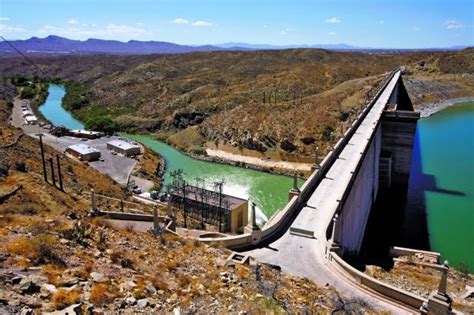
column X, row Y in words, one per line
column 267, row 101
column 53, row 256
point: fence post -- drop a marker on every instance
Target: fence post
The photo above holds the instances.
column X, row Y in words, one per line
column 93, row 204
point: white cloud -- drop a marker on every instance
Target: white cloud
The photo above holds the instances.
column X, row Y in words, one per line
column 285, row 31
column 381, row 22
column 180, row 21
column 452, row 24
column 332, row 33
column 416, row 28
column 333, row 20
column 197, row 23
column 126, row 30
column 265, row 26
column 6, row 29
column 73, row 22
column 2, row 18
column 111, row 30
column 201, row 23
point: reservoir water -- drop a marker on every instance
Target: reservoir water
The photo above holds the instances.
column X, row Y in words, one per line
column 54, row 112
column 442, row 182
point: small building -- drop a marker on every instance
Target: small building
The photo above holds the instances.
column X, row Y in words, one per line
column 123, row 147
column 31, row 119
column 213, row 208
column 27, row 112
column 84, row 134
column 83, row 152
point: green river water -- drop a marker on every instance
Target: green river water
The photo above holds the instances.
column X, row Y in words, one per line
column 441, row 180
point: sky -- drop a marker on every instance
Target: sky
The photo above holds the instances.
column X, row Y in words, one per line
column 363, row 23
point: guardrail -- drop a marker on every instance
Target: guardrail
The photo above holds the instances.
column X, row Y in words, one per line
column 384, row 289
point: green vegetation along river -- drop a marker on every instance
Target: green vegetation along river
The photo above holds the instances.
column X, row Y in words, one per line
column 442, row 181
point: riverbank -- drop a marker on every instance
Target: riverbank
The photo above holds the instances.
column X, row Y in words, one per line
column 428, row 109
column 255, row 161
column 284, row 168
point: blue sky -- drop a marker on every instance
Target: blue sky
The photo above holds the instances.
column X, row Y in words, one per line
column 382, row 23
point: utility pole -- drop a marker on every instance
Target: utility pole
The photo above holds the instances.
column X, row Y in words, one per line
column 52, row 171
column 60, row 176
column 45, row 175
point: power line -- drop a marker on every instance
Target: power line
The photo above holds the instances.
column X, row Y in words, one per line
column 26, row 58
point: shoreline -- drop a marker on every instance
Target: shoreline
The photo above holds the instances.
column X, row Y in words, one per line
column 429, row 109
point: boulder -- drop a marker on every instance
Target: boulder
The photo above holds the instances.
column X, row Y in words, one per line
column 98, row 277
column 130, row 300
column 31, row 284
column 142, row 303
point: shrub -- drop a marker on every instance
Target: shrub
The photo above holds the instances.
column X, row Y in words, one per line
column 63, row 298
column 327, row 134
column 4, row 168
column 27, row 93
column 99, row 294
column 102, row 123
column 39, row 249
column 20, row 166
column 344, row 116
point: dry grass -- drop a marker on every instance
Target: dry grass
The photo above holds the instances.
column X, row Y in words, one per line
column 100, row 294
column 63, row 298
column 39, row 249
column 53, row 273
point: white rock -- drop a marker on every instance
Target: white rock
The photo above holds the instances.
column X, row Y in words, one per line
column 98, row 277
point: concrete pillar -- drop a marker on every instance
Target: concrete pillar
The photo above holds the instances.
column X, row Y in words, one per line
column 252, row 228
column 93, row 204
column 294, row 191
column 334, row 245
column 439, row 302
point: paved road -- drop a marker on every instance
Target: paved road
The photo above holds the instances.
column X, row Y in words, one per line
column 305, row 257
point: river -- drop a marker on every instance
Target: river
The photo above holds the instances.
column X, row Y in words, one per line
column 268, row 191
column 441, row 181
column 54, row 112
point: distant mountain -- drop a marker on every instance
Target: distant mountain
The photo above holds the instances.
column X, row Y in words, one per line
column 271, row 47
column 59, row 45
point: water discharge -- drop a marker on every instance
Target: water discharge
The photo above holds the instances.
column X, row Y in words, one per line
column 268, row 191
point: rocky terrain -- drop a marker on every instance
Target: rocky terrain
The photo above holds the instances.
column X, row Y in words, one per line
column 55, row 258
column 424, row 280
column 246, row 100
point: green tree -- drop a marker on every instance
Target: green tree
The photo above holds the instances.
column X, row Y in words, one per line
column 27, row 92
column 101, row 123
